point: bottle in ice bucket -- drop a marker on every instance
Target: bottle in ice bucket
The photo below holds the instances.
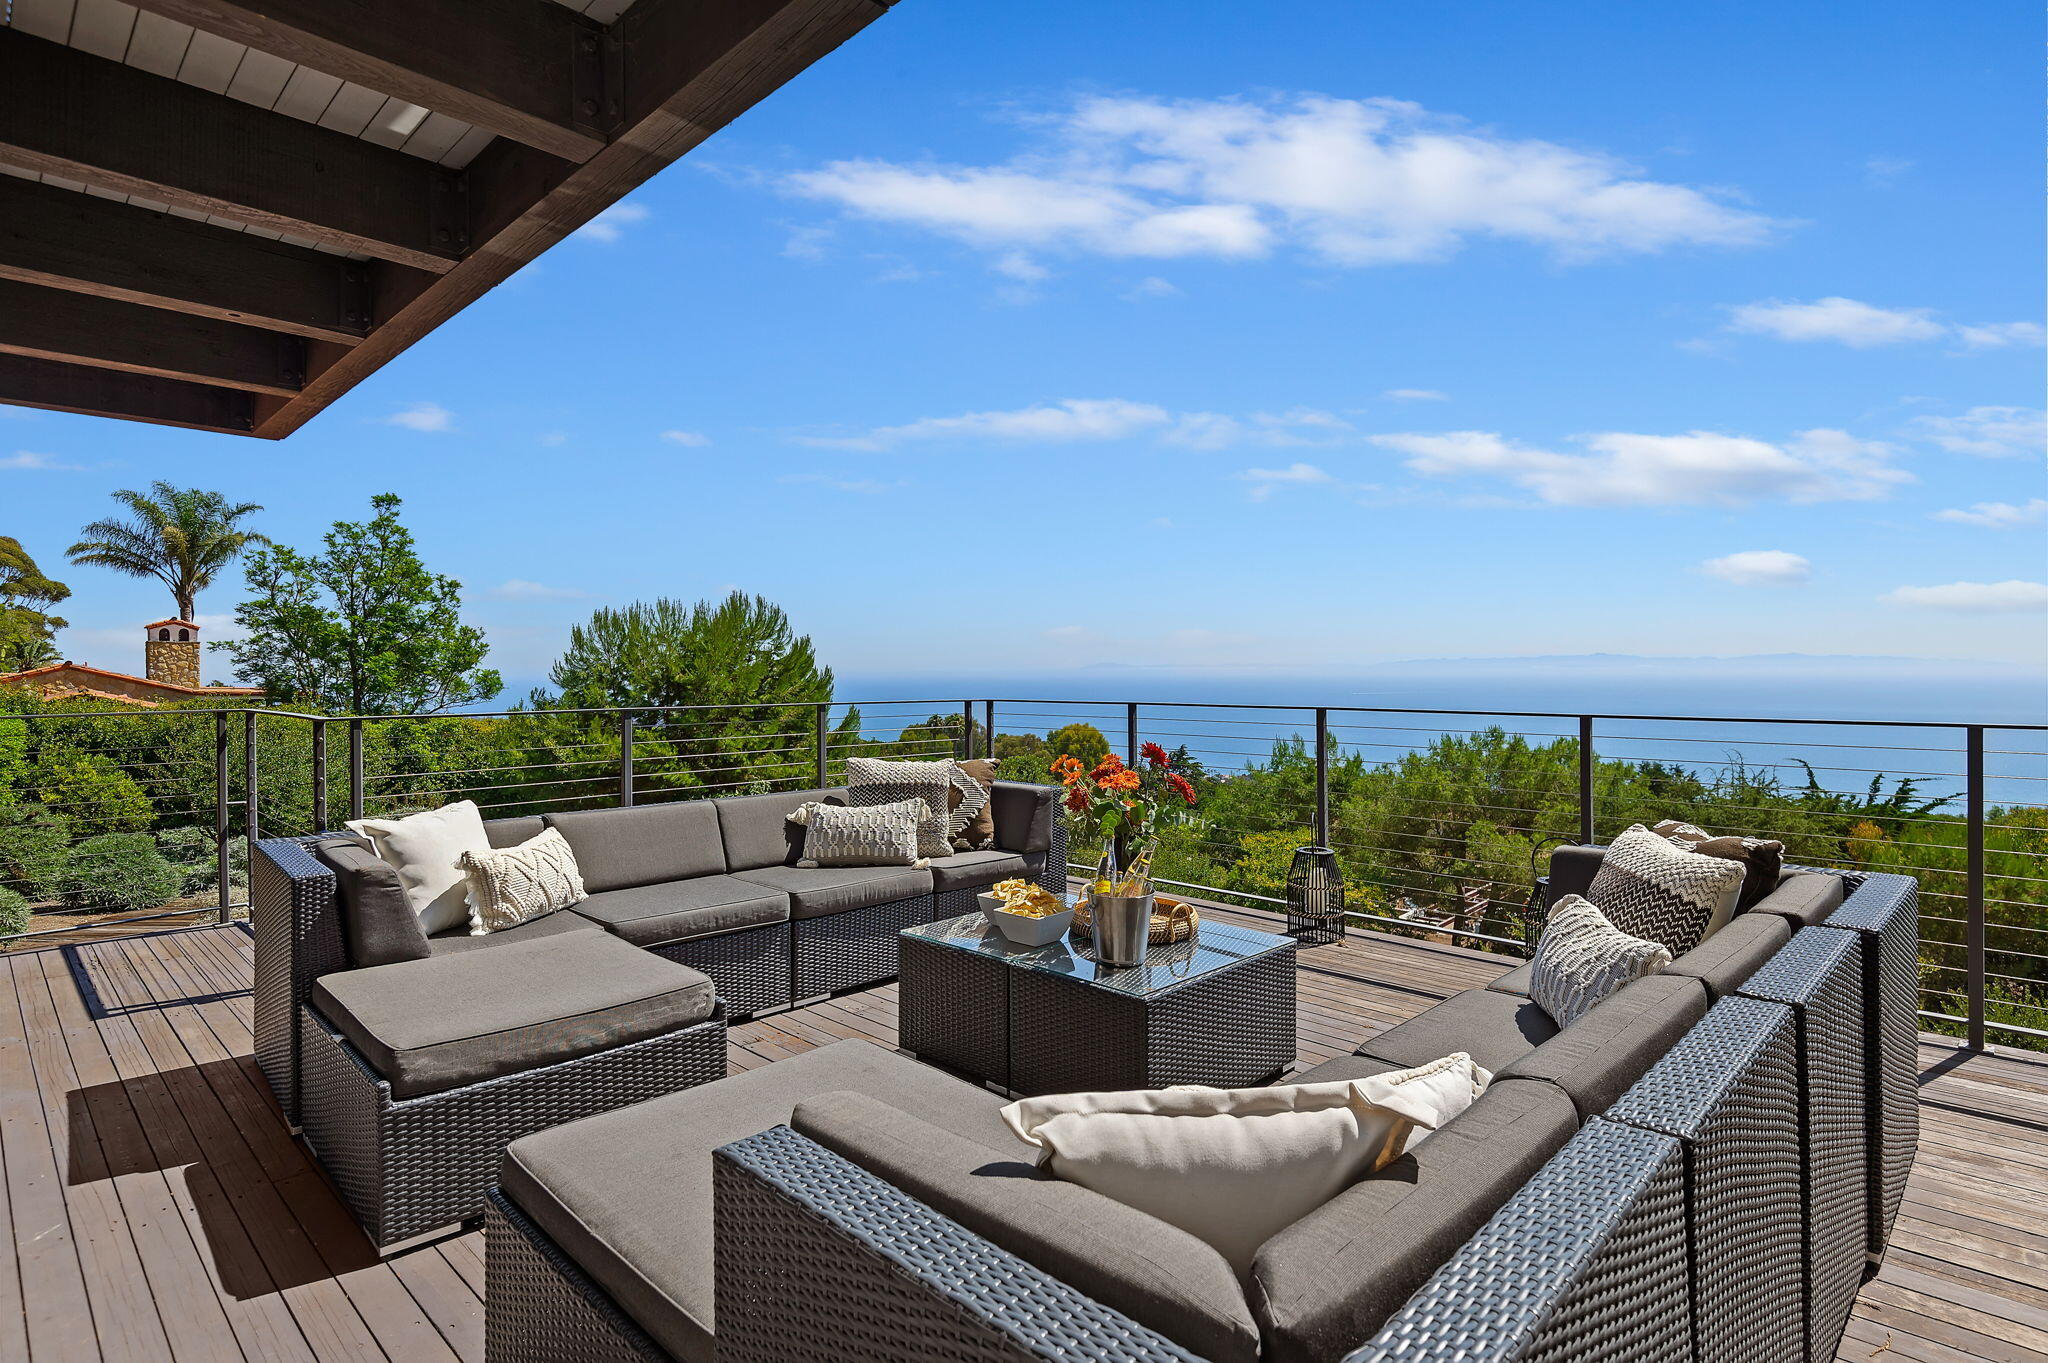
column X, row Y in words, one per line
column 1138, row 879
column 1105, row 878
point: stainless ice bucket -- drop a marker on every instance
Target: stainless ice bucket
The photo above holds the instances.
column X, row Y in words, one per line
column 1122, row 925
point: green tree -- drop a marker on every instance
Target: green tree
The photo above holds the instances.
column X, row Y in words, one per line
column 1082, row 742
column 362, row 625
column 26, row 630
column 181, row 536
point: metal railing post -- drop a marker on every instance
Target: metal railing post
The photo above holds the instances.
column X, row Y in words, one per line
column 1974, row 931
column 224, row 866
column 1586, row 780
column 250, row 789
column 1131, row 734
column 966, row 748
column 988, row 729
column 355, row 769
column 821, row 725
column 319, row 776
column 1322, row 778
column 627, row 723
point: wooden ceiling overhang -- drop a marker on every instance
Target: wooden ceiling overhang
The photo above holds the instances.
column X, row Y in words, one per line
column 175, row 254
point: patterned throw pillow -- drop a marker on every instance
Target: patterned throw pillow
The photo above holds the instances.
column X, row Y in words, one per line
column 1650, row 888
column 1582, row 958
column 872, row 781
column 1763, row 860
column 871, row 835
column 972, row 807
column 519, row 884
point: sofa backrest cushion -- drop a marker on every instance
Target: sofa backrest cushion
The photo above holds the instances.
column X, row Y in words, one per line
column 1157, row 1274
column 377, row 922
column 1732, row 955
column 512, row 832
column 1804, row 897
column 645, row 845
column 1328, row 1282
column 757, row 830
column 1023, row 815
column 1597, row 1058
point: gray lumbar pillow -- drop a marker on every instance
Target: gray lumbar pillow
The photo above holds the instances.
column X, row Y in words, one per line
column 1582, row 958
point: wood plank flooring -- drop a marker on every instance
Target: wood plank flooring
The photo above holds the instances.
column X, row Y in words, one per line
column 156, row 1206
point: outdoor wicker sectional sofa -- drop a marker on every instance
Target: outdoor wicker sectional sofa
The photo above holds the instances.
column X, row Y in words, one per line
column 408, row 1075
column 1699, row 1169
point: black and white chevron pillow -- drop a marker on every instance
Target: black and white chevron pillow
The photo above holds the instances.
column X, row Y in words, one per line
column 1648, row 888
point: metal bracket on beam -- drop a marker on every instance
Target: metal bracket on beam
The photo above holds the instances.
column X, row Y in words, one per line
column 291, row 361
column 355, row 297
column 448, row 211
column 597, row 67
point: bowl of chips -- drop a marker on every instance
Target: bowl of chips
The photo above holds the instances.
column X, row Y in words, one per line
column 1026, row 913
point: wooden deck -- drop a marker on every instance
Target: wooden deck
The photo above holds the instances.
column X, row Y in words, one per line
column 159, row 1208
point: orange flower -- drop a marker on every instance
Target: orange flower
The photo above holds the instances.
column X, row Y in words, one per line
column 1121, row 779
column 1068, row 769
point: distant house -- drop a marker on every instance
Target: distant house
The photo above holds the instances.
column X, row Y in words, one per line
column 170, row 661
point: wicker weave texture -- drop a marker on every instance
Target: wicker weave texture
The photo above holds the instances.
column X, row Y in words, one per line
column 854, row 949
column 751, row 967
column 541, row 1308
column 406, row 1166
column 1886, row 908
column 953, row 1009
column 817, row 1259
column 1586, row 1264
column 296, row 923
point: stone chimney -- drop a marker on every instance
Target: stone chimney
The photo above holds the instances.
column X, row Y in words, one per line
column 170, row 652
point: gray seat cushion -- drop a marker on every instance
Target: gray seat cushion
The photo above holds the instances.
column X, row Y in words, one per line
column 1495, row 1029
column 1328, row 1282
column 1732, row 955
column 815, row 891
column 654, row 915
column 1804, row 897
column 1343, row 1069
column 454, row 1020
column 644, row 845
column 1597, row 1058
column 456, row 941
column 975, row 870
column 757, row 830
column 1155, row 1273
column 377, row 923
column 627, row 1194
column 1516, row 981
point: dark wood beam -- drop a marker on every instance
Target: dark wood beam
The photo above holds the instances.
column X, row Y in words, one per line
column 62, row 239
column 53, row 324
column 59, row 387
column 531, row 70
column 71, row 114
column 690, row 68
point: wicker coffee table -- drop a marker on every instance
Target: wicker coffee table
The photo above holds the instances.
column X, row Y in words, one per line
column 1217, row 1010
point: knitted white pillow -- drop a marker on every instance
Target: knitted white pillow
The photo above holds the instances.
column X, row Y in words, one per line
column 519, row 884
column 872, row 781
column 1582, row 958
column 874, row 835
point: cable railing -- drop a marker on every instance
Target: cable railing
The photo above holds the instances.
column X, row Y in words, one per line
column 1440, row 819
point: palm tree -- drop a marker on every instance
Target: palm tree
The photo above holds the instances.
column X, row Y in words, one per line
column 183, row 537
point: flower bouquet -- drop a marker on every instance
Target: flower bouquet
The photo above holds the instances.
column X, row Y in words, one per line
column 1122, row 805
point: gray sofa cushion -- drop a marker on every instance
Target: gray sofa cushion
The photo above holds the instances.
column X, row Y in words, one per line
column 512, row 832
column 1494, row 1029
column 975, row 870
column 1157, row 1274
column 653, row 915
column 377, row 924
column 1024, row 815
column 757, row 830
column 1516, row 981
column 619, row 848
column 1572, row 868
column 627, row 1194
column 457, row 940
column 1804, row 897
column 1343, row 1069
column 1732, row 955
column 815, row 891
column 1598, row 1057
column 454, row 1020
column 1328, row 1282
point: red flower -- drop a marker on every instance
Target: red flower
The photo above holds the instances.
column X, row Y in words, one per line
column 1156, row 755
column 1077, row 799
column 1180, row 786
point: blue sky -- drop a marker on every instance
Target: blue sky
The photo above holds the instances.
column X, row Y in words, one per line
column 1317, row 333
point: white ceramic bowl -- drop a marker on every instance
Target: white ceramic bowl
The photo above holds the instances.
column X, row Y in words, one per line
column 1023, row 929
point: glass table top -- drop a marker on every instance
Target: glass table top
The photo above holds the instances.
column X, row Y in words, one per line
column 1214, row 946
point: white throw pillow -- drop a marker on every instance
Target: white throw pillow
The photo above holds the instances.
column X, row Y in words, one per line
column 1582, row 958
column 1650, row 888
column 876, row 835
column 426, row 851
column 872, row 781
column 519, row 884
column 1234, row 1167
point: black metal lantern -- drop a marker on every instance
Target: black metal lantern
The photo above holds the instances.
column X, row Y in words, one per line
column 1315, row 897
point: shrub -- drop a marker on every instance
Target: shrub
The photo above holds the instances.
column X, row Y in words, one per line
column 97, row 796
column 13, row 912
column 192, row 850
column 119, row 871
column 34, row 847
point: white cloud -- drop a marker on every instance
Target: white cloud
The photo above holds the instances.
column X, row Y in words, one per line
column 1882, row 171
column 519, row 589
column 1351, row 182
column 1698, row 468
column 1976, row 598
column 1865, row 325
column 1415, row 395
column 609, row 227
column 1989, row 431
column 1151, row 286
column 1074, row 419
column 30, row 460
column 1760, row 568
column 423, row 416
column 1299, row 475
column 1022, row 268
column 693, row 439
column 1998, row 515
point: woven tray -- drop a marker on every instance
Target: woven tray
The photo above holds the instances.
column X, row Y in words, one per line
column 1172, row 921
